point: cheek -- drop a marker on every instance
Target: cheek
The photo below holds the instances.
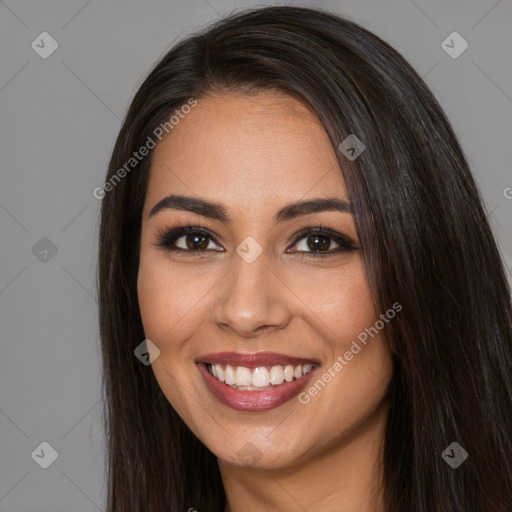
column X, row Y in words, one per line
column 155, row 301
column 359, row 363
column 168, row 299
column 166, row 310
column 345, row 306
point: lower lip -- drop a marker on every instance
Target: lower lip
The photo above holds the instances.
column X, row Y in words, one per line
column 254, row 400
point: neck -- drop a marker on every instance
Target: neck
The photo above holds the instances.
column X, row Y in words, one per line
column 344, row 476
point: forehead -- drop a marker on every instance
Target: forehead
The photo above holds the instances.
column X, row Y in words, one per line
column 244, row 150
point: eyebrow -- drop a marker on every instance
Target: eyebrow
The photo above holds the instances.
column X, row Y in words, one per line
column 218, row 211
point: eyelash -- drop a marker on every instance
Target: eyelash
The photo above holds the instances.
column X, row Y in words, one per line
column 168, row 236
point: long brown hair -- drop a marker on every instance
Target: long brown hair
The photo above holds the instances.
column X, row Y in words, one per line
column 426, row 243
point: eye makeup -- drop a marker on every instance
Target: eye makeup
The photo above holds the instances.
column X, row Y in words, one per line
column 168, row 236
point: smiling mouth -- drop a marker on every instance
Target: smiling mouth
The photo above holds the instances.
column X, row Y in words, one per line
column 258, row 378
column 255, row 381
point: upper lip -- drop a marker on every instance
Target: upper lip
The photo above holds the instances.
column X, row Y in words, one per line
column 253, row 359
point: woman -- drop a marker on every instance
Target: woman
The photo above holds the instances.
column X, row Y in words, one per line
column 291, row 236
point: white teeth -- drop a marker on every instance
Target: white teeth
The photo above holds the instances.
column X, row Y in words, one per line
column 243, row 376
column 251, row 379
column 276, row 375
column 288, row 373
column 229, row 376
column 260, row 377
column 306, row 368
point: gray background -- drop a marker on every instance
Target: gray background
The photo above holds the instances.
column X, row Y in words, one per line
column 59, row 120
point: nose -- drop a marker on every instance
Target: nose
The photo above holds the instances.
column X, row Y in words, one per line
column 251, row 299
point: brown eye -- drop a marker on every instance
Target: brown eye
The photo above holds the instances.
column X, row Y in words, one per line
column 194, row 242
column 319, row 242
column 186, row 238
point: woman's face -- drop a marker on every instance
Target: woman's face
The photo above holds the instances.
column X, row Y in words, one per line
column 258, row 298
